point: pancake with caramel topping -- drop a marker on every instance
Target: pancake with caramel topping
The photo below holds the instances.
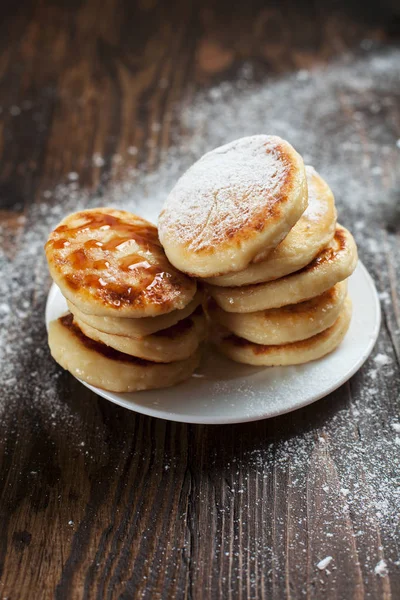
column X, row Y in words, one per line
column 295, row 353
column 335, row 263
column 106, row 368
column 237, row 201
column 110, row 262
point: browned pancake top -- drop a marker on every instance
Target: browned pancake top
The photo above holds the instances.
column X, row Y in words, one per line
column 231, row 194
column 113, row 258
column 329, row 254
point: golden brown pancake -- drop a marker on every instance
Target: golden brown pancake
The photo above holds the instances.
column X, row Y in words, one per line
column 235, row 202
column 312, row 232
column 296, row 353
column 110, row 262
column 335, row 263
column 106, row 368
column 287, row 324
column 136, row 328
column 175, row 343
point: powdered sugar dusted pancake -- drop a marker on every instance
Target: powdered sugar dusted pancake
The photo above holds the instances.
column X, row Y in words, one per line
column 335, row 263
column 312, row 232
column 110, row 263
column 106, row 368
column 315, row 347
column 287, row 324
column 235, row 202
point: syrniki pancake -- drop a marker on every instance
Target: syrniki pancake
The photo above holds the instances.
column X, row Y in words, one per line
column 235, row 202
column 109, row 369
column 137, row 328
column 335, row 263
column 287, row 324
column 303, row 351
column 110, row 263
column 312, row 232
column 176, row 343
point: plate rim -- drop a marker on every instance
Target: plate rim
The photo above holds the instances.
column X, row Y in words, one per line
column 195, row 420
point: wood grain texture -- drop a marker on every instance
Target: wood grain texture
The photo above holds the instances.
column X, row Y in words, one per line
column 97, row 502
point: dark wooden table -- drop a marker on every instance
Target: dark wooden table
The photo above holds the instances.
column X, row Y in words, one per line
column 107, row 103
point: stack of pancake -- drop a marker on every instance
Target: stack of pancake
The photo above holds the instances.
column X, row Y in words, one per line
column 260, row 229
column 135, row 322
column 252, row 223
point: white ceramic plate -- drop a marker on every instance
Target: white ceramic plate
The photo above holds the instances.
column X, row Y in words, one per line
column 222, row 391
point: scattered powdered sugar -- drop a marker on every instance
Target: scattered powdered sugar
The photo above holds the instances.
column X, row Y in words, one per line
column 324, row 563
column 98, row 160
column 381, row 568
column 384, row 296
column 382, row 360
column 15, row 111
